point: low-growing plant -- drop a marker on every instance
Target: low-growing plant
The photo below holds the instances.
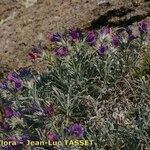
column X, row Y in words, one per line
column 97, row 88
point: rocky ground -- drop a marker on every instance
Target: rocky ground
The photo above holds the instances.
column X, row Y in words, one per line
column 27, row 22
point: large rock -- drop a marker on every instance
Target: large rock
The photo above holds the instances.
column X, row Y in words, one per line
column 26, row 22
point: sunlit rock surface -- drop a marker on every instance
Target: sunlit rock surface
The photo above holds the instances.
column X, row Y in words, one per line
column 26, row 22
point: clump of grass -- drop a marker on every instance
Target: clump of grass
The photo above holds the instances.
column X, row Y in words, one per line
column 97, row 87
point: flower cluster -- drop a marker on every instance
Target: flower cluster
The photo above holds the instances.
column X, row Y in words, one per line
column 143, row 27
column 35, row 52
column 76, row 130
column 15, row 80
column 97, row 74
column 91, row 38
column 98, row 40
column 50, row 109
column 54, row 37
column 73, row 35
column 52, row 136
column 61, row 51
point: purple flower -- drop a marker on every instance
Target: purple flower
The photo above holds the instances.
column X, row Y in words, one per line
column 56, row 37
column 3, row 85
column 24, row 72
column 91, row 38
column 101, row 50
column 12, row 76
column 18, row 85
column 24, row 139
column 32, row 56
column 115, row 41
column 14, row 138
column 105, row 30
column 8, row 112
column 73, row 35
column 36, row 49
column 143, row 26
column 131, row 37
column 61, row 51
column 52, row 136
column 5, row 126
column 76, row 130
column 50, row 109
column 9, row 147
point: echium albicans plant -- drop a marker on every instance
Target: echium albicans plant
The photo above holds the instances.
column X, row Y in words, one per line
column 96, row 88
